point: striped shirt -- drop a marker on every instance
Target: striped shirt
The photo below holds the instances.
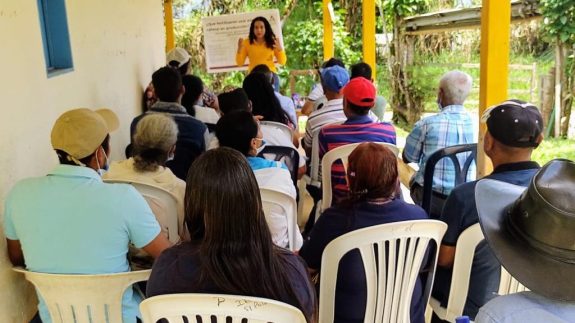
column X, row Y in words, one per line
column 452, row 126
column 331, row 112
column 355, row 129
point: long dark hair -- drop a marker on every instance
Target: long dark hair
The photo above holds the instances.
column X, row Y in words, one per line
column 224, row 215
column 269, row 36
column 264, row 100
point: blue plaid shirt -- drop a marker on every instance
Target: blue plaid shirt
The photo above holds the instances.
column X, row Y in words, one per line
column 452, row 126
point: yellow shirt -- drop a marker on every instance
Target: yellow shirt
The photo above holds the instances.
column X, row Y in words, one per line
column 259, row 54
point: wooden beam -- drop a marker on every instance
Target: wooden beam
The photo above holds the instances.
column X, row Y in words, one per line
column 368, row 34
column 328, row 49
column 494, row 69
column 169, row 24
column 467, row 18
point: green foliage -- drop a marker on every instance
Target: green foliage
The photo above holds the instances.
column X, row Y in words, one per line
column 559, row 22
column 552, row 148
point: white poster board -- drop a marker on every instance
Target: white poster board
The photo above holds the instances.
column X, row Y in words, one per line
column 221, row 34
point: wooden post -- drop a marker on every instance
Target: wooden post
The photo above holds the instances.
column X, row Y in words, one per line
column 328, row 13
column 368, row 34
column 169, row 24
column 558, row 72
column 494, row 69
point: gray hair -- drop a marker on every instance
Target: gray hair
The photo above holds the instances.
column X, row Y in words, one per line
column 456, row 86
column 155, row 135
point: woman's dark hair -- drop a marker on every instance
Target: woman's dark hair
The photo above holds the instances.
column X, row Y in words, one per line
column 236, row 130
column 264, row 101
column 225, row 217
column 236, row 99
column 64, row 160
column 372, row 173
column 194, row 88
column 269, row 36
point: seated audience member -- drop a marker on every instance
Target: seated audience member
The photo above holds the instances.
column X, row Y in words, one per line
column 264, row 101
column 240, row 131
column 177, row 58
column 231, row 249
column 514, row 129
column 235, row 99
column 192, row 134
column 358, row 100
column 333, row 80
column 364, row 70
column 372, row 200
column 70, row 221
column 316, row 98
column 286, row 103
column 451, row 126
column 154, row 144
column 531, row 234
column 208, row 111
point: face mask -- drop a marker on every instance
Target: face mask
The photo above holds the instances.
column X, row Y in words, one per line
column 261, row 148
column 103, row 170
column 439, row 106
column 170, row 158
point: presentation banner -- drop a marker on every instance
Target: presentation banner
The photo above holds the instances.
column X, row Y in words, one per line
column 221, row 34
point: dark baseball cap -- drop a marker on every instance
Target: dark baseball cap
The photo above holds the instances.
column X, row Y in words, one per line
column 514, row 123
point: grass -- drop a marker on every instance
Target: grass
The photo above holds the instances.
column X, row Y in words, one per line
column 552, row 148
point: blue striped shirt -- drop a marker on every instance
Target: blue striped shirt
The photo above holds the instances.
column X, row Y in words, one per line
column 355, row 129
column 452, row 126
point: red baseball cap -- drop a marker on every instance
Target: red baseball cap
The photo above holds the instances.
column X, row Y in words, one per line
column 360, row 91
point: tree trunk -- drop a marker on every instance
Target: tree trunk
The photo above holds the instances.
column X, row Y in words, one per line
column 567, row 70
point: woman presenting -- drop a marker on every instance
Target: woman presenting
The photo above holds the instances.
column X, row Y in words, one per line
column 261, row 47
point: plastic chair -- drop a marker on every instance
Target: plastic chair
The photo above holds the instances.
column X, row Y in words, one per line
column 163, row 203
column 277, row 126
column 464, row 253
column 460, row 170
column 84, row 298
column 339, row 153
column 274, row 199
column 218, row 308
column 509, row 285
column 288, row 155
column 392, row 256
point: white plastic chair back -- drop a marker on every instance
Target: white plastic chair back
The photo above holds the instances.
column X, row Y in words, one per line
column 391, row 275
column 84, row 298
column 163, row 203
column 277, row 127
column 464, row 253
column 340, row 153
column 508, row 284
column 219, row 307
column 274, row 199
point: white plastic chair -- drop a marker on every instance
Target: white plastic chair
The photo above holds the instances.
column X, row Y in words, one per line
column 266, row 126
column 274, row 199
column 340, row 153
column 509, row 285
column 163, row 203
column 464, row 253
column 390, row 276
column 207, row 306
column 84, row 298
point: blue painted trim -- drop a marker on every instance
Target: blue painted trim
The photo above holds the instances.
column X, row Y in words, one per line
column 55, row 36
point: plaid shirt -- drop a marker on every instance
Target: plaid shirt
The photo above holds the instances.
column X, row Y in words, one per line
column 452, row 126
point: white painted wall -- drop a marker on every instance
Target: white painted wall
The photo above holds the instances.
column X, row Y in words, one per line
column 116, row 46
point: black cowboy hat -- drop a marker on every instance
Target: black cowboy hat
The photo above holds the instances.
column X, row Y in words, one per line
column 532, row 231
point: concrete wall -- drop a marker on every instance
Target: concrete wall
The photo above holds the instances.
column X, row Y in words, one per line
column 116, row 46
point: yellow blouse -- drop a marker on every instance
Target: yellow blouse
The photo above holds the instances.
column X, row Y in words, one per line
column 259, row 54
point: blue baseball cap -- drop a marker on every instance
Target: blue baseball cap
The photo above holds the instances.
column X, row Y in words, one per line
column 334, row 78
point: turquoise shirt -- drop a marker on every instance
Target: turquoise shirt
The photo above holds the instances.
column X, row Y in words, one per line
column 261, row 163
column 71, row 222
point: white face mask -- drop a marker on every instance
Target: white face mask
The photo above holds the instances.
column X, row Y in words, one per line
column 261, row 148
column 103, row 170
column 170, row 158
